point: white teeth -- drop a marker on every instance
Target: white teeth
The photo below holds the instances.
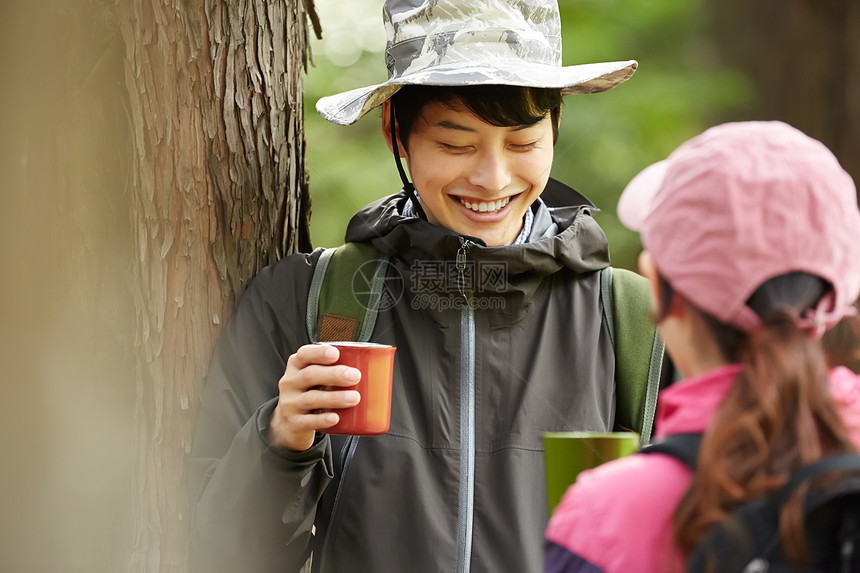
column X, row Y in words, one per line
column 483, row 207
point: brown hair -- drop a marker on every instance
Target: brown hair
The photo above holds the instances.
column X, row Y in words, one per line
column 777, row 417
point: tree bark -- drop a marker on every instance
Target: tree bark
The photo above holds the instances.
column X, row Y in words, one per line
column 219, row 190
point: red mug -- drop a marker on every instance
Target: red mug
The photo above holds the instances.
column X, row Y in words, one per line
column 372, row 415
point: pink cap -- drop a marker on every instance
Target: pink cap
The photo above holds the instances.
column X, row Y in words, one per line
column 740, row 204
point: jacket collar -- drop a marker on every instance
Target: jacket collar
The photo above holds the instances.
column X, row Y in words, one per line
column 689, row 405
column 563, row 235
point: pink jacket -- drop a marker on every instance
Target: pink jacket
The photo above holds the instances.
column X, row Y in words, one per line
column 618, row 517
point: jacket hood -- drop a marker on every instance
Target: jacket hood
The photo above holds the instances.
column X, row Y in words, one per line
column 564, row 235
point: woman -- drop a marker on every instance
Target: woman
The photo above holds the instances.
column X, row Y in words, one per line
column 752, row 246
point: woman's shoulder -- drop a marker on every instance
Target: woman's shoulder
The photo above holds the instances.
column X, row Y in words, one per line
column 597, row 513
column 617, row 488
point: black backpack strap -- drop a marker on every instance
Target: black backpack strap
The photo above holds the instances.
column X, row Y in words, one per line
column 683, row 447
column 830, row 464
column 750, row 536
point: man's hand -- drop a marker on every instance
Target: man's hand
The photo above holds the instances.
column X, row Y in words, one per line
column 310, row 387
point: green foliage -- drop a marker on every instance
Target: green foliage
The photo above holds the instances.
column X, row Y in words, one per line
column 681, row 88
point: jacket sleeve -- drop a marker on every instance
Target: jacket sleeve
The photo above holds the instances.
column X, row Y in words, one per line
column 253, row 505
column 560, row 559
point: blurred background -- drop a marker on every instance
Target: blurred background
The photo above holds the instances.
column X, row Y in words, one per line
column 68, row 337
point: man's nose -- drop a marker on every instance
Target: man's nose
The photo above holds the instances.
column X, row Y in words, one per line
column 491, row 171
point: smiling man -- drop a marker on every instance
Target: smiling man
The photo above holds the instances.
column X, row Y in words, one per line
column 497, row 320
column 480, row 155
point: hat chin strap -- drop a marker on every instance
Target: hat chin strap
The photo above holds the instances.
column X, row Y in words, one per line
column 407, row 185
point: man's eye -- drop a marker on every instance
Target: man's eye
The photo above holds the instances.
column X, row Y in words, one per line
column 455, row 148
column 524, row 146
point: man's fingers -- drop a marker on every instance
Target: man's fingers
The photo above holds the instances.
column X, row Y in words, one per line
column 312, row 422
column 313, row 365
column 312, row 386
column 327, row 399
column 312, row 410
column 313, row 354
column 317, row 375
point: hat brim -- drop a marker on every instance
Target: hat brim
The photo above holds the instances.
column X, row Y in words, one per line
column 637, row 199
column 347, row 107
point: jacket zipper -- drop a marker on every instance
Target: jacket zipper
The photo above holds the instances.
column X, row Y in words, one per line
column 465, row 515
column 347, row 453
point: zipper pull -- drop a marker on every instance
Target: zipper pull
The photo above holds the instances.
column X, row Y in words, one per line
column 461, row 266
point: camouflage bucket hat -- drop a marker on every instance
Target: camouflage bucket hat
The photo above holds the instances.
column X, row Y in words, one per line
column 473, row 42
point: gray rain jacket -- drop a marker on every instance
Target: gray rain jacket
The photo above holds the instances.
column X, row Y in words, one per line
column 457, row 484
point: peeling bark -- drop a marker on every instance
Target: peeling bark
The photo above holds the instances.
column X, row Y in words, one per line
column 219, row 191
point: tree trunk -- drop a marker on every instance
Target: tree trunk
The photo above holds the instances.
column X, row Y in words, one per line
column 219, row 190
column 803, row 57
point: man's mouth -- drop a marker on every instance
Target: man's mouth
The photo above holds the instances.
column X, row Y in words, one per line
column 485, row 206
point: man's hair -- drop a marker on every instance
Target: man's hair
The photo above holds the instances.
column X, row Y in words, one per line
column 499, row 105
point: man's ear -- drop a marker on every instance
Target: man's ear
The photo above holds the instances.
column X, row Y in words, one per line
column 386, row 129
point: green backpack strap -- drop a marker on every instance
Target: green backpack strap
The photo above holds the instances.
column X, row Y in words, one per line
column 345, row 292
column 638, row 350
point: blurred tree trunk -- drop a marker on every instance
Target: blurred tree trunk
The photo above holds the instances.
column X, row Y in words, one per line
column 219, row 190
column 804, row 59
column 65, row 369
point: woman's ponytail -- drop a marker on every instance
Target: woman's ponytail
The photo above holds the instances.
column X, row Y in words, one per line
column 777, row 417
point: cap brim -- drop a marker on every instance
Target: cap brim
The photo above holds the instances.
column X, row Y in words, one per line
column 637, row 199
column 347, row 107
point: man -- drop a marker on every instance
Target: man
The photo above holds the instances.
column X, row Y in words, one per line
column 483, row 367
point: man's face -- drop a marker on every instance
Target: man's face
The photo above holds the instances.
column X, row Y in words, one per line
column 475, row 178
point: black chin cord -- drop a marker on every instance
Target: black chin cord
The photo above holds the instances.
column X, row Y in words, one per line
column 407, row 185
